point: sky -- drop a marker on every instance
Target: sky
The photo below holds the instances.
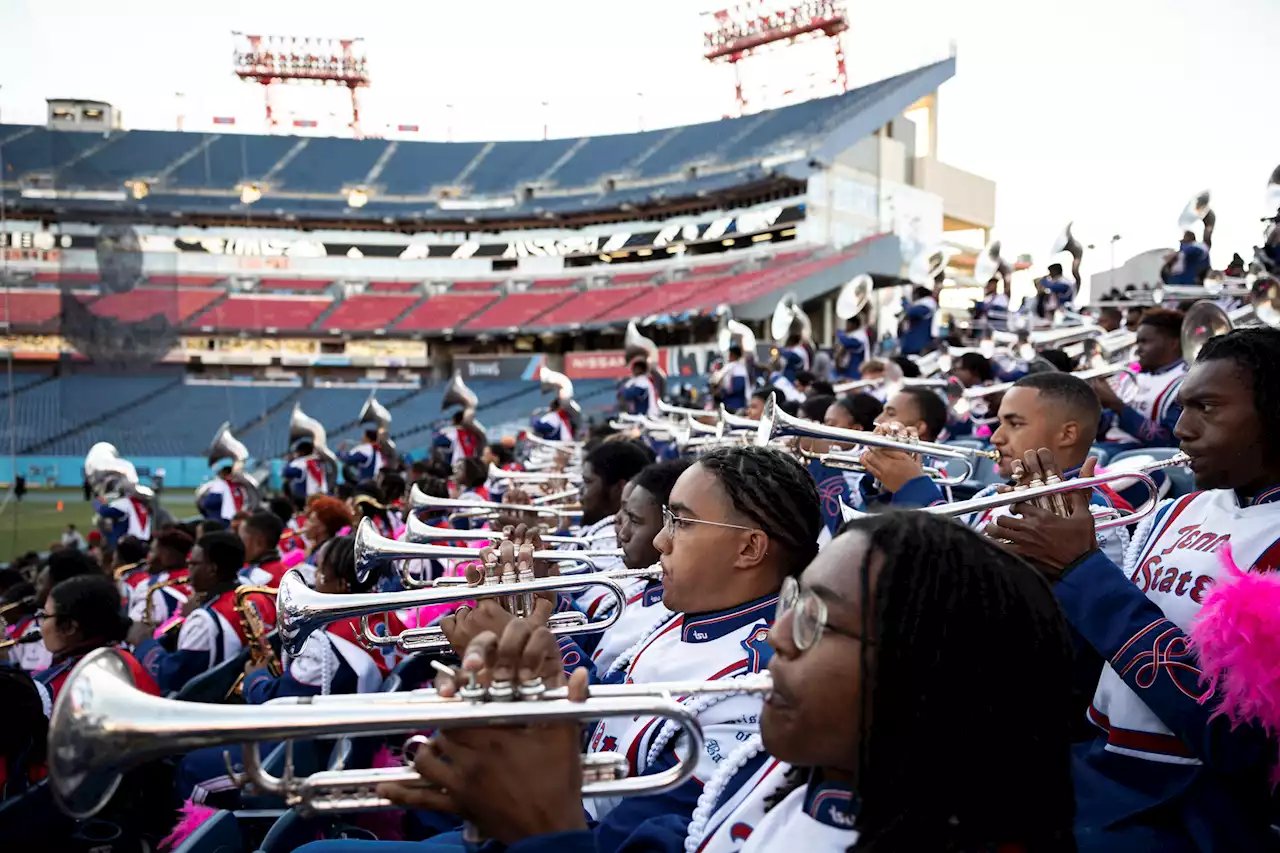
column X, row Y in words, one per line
column 1108, row 113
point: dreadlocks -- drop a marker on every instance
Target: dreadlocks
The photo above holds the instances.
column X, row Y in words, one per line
column 1256, row 351
column 775, row 492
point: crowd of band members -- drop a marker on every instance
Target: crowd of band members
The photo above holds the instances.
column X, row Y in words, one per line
column 1004, row 682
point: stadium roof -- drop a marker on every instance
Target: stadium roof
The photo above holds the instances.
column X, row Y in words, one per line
column 163, row 175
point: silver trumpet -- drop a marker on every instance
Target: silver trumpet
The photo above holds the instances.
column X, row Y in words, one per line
column 775, row 423
column 419, row 501
column 373, row 549
column 851, row 460
column 420, row 531
column 496, row 473
column 103, row 726
column 1049, row 496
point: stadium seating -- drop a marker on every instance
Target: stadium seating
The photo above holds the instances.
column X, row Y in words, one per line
column 446, row 311
column 298, row 285
column 231, row 159
column 30, row 308
column 417, row 167
column 143, row 302
column 368, row 312
column 327, row 165
column 591, row 304
column 123, row 156
column 509, row 164
column 518, row 310
column 473, row 286
column 30, row 150
column 263, row 313
column 183, row 280
column 392, row 286
column 47, row 410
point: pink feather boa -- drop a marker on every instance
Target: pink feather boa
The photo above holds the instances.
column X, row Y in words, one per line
column 194, row 816
column 1236, row 636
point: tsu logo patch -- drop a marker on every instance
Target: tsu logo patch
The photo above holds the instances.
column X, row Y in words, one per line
column 740, row 831
column 758, row 650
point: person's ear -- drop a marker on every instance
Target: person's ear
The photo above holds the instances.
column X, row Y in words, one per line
column 1069, row 434
column 753, row 549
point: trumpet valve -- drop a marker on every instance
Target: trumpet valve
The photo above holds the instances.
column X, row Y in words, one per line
column 1058, row 501
column 500, row 691
column 472, row 691
column 604, row 767
column 532, row 689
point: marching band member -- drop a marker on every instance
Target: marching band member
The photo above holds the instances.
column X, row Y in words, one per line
column 834, row 484
column 916, row 336
column 127, row 515
column 463, row 438
column 994, row 307
column 28, row 653
column 498, row 455
column 1110, row 318
column 735, row 379
column 973, row 370
column 852, row 346
column 1189, row 264
column 1055, row 291
column 304, row 474
column 225, row 497
column 554, row 424
column 326, row 517
column 260, row 534
column 130, row 551
column 1164, row 771
column 24, row 737
column 366, row 457
column 843, row 760
column 212, row 631
column 1147, row 417
column 638, row 396
column 81, row 614
column 1051, row 410
column 367, row 503
column 166, row 561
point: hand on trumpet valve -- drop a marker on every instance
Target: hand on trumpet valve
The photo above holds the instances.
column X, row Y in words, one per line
column 1053, row 536
column 510, row 783
column 504, row 564
column 893, row 468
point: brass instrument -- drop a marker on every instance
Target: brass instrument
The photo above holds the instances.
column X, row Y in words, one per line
column 6, row 609
column 121, row 571
column 465, row 509
column 149, row 603
column 842, row 460
column 496, row 473
column 419, row 531
column 102, row 726
column 255, row 634
column 224, row 446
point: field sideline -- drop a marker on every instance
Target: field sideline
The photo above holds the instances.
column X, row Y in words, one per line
column 35, row 522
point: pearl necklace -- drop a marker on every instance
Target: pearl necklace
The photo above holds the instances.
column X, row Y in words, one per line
column 623, row 660
column 696, row 705
column 706, row 807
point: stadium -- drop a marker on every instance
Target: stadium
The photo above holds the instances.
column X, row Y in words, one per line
column 159, row 283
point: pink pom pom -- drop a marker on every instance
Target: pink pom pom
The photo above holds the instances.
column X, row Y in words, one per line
column 193, row 817
column 1236, row 636
column 293, row 558
column 982, row 431
column 384, row 758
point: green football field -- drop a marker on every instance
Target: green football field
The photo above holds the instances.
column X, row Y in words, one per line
column 35, row 522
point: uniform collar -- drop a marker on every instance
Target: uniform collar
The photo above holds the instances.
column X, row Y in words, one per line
column 652, row 594
column 1168, row 367
column 829, row 803
column 271, row 556
column 705, row 627
column 1266, row 496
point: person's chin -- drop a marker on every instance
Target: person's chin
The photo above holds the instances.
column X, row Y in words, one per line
column 775, row 729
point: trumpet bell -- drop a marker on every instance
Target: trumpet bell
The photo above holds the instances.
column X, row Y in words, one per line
column 789, row 319
column 930, row 263
column 1204, row 320
column 854, row 297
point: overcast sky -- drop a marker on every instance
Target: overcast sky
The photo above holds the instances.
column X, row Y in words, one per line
column 1111, row 113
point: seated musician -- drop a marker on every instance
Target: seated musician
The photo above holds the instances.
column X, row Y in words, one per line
column 638, row 396
column 501, row 456
column 81, row 614
column 852, row 348
column 1164, row 771
column 740, row 521
column 755, row 408
column 842, row 761
column 25, row 734
column 260, row 534
column 21, row 625
column 1146, row 415
column 128, row 564
column 304, row 474
column 367, row 502
column 1052, row 410
column 553, row 424
column 225, row 497
column 167, row 561
column 212, row 631
column 735, row 380
column 326, row 517
column 366, row 458
column 1110, row 318
column 638, row 521
column 973, row 370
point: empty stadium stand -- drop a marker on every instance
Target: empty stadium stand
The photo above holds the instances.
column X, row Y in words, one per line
column 518, row 310
column 262, row 313
column 368, row 312
column 45, row 412
column 28, row 309
column 176, row 305
column 446, row 311
column 309, row 177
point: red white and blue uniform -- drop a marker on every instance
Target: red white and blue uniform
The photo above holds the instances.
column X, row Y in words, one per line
column 853, row 351
column 49, row 681
column 366, row 458
column 128, row 516
column 639, row 396
column 596, row 601
column 223, row 499
column 1163, row 773
column 210, row 635
column 734, row 382
column 917, row 328
column 553, row 426
column 461, row 442
column 32, row 656
column 304, row 477
column 165, row 604
column 794, row 359
column 644, row 610
column 1151, row 409
column 267, row 570
column 834, row 486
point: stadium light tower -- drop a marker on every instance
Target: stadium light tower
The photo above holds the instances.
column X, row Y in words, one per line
column 739, row 32
column 268, row 60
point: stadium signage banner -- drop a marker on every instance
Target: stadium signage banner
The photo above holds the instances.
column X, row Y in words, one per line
column 505, row 367
column 603, row 364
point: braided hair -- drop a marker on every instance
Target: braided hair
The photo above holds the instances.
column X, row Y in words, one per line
column 954, row 616
column 1255, row 351
column 776, row 492
column 339, row 560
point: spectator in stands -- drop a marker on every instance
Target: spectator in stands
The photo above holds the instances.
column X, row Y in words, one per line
column 734, row 380
column 1109, row 318
column 1189, row 264
column 260, row 534
column 638, row 396
column 915, row 332
column 852, row 346
column 1147, row 417
column 72, row 539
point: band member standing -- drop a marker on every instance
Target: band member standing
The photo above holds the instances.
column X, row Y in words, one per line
column 366, row 459
column 128, row 515
column 463, row 439
column 916, row 330
column 735, row 380
column 304, row 474
column 1055, row 290
column 553, row 424
column 1164, row 771
column 1146, row 415
column 225, row 497
column 260, row 534
column 212, row 631
column 638, row 396
column 1189, row 264
column 852, row 346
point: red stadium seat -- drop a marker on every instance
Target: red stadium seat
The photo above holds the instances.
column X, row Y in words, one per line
column 554, row 283
column 30, row 308
column 294, row 284
column 633, row 277
column 393, row 286
column 368, row 312
column 183, row 280
column 66, row 277
column 473, row 286
column 446, row 311
column 285, row 313
column 519, row 309
column 176, row 305
column 590, row 305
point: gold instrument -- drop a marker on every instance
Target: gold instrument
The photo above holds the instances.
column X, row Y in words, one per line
column 102, row 726
column 18, row 641
column 121, row 571
column 255, row 633
column 154, row 589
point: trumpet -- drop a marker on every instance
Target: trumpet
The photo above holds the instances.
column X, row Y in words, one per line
column 102, row 726
column 775, row 423
column 420, row 501
column 373, row 549
column 496, row 473
column 842, row 460
column 419, row 531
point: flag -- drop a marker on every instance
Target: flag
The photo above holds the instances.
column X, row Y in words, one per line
column 223, row 120
column 303, row 122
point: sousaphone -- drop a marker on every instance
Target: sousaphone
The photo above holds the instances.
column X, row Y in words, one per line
column 302, row 425
column 552, row 380
column 1067, row 242
column 1198, row 211
column 929, row 264
column 989, row 264
column 789, row 319
column 373, row 412
column 226, row 446
column 634, row 345
column 1203, row 320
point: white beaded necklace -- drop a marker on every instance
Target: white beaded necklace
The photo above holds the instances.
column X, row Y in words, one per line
column 696, row 705
column 623, row 660
column 706, row 807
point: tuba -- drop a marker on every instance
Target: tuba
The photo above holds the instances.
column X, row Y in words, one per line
column 1198, row 212
column 929, row 265
column 373, row 412
column 553, row 380
column 302, row 425
column 989, row 264
column 456, row 393
column 789, row 319
column 227, row 446
column 635, row 345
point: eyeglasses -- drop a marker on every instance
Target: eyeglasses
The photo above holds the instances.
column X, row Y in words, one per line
column 809, row 615
column 670, row 522
column 41, row 614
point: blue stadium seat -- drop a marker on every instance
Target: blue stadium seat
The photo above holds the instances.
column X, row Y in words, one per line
column 132, row 154
column 327, row 165
column 231, row 159
column 416, row 167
